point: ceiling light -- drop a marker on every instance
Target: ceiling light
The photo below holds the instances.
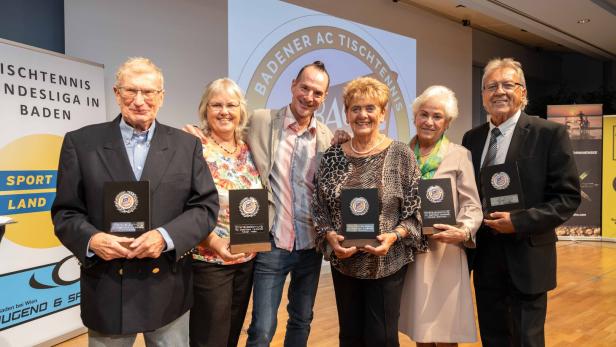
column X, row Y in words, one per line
column 583, row 21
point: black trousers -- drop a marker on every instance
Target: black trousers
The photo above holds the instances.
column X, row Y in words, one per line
column 221, row 296
column 507, row 317
column 368, row 309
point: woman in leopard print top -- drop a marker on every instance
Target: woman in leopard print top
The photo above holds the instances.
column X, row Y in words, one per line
column 368, row 280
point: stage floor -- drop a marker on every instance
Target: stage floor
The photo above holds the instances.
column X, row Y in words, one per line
column 581, row 310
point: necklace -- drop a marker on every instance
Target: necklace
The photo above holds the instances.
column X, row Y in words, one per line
column 369, row 150
column 221, row 146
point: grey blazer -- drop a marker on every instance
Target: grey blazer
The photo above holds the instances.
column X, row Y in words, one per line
column 263, row 134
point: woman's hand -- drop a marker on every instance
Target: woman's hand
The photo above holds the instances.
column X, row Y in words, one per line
column 450, row 234
column 340, row 137
column 194, row 130
column 221, row 247
column 386, row 239
column 341, row 252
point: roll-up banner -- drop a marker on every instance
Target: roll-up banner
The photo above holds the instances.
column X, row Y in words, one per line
column 585, row 127
column 43, row 95
column 608, row 224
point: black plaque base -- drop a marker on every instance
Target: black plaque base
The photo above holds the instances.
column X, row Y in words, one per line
column 360, row 243
column 433, row 230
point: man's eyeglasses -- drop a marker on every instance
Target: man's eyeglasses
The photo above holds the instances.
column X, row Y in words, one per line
column 131, row 93
column 507, row 86
column 218, row 106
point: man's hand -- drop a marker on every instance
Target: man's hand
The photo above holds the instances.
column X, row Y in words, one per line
column 340, row 137
column 341, row 252
column 450, row 234
column 221, row 247
column 501, row 222
column 109, row 247
column 149, row 245
column 386, row 239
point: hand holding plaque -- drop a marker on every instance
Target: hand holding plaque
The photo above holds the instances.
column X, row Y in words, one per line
column 360, row 217
column 249, row 222
column 436, row 204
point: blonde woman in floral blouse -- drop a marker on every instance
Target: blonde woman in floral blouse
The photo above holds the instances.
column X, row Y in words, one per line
column 368, row 281
column 222, row 280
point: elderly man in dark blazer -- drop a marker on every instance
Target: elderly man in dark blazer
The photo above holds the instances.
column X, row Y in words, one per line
column 135, row 284
column 515, row 261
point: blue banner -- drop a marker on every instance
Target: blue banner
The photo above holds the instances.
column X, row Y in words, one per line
column 27, row 179
column 26, row 203
column 37, row 292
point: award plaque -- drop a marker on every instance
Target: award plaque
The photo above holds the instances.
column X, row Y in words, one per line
column 360, row 210
column 127, row 207
column 249, row 222
column 501, row 188
column 436, row 204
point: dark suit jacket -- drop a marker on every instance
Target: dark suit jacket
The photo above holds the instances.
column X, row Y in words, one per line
column 127, row 296
column 551, row 189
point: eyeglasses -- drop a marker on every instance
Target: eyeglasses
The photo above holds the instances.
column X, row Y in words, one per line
column 131, row 93
column 507, row 86
column 218, row 106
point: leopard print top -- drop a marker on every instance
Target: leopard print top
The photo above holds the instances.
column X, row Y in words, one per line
column 395, row 174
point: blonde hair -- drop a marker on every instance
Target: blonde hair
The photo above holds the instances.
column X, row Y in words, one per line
column 138, row 65
column 443, row 95
column 503, row 63
column 223, row 85
column 365, row 87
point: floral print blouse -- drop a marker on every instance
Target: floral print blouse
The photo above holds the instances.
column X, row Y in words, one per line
column 236, row 171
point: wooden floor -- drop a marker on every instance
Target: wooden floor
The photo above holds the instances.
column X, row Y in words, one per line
column 581, row 310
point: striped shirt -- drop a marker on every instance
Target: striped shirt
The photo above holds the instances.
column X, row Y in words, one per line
column 292, row 185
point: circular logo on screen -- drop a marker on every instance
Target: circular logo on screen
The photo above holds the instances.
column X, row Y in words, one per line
column 327, row 42
column 359, row 206
column 249, row 207
column 126, row 201
column 500, row 180
column 435, row 194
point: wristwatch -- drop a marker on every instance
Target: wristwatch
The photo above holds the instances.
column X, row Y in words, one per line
column 467, row 234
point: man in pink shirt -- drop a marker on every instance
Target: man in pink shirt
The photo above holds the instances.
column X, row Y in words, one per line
column 286, row 145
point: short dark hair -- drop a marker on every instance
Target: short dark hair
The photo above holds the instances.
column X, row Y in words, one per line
column 319, row 65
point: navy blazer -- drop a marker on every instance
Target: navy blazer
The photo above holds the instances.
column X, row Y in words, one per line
column 551, row 190
column 127, row 296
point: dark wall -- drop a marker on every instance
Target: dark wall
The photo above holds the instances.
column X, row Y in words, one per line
column 38, row 23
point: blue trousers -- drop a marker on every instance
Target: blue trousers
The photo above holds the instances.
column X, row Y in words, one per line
column 270, row 272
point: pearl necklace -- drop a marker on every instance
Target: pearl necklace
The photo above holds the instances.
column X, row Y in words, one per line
column 221, row 146
column 369, row 150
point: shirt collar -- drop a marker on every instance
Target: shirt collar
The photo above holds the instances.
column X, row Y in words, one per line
column 509, row 124
column 129, row 133
column 291, row 123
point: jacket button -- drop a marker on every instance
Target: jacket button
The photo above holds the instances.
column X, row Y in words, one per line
column 120, row 272
column 155, row 270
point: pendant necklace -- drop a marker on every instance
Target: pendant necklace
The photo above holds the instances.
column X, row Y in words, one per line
column 221, row 146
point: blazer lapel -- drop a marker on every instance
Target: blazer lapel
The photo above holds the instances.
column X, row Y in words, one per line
column 477, row 148
column 113, row 153
column 518, row 138
column 159, row 157
column 277, row 131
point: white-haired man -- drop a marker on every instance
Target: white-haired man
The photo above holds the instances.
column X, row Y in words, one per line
column 514, row 264
column 141, row 284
